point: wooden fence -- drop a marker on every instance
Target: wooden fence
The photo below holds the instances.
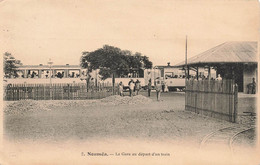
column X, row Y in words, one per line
column 73, row 91
column 213, row 98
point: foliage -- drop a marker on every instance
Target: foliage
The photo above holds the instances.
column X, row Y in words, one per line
column 10, row 65
column 112, row 60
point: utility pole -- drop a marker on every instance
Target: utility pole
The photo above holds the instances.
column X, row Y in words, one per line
column 186, row 65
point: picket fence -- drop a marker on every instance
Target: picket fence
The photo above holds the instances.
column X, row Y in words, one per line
column 213, row 98
column 72, row 91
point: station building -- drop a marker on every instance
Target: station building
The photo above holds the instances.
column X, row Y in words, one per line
column 230, row 60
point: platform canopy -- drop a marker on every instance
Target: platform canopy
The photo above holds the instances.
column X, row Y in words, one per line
column 228, row 52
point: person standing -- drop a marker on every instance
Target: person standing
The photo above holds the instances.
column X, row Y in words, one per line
column 219, row 78
column 131, row 87
column 253, row 86
column 158, row 87
column 121, row 88
column 163, row 86
column 149, row 88
column 166, row 87
column 137, row 86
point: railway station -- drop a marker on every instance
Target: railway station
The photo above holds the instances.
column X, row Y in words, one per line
column 235, row 64
column 230, row 60
column 130, row 82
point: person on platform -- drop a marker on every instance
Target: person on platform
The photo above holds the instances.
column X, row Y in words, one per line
column 219, row 78
column 252, row 87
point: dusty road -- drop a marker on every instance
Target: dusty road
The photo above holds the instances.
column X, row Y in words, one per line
column 139, row 117
column 65, row 128
column 85, row 119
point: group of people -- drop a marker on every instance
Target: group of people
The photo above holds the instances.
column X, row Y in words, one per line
column 134, row 87
column 203, row 77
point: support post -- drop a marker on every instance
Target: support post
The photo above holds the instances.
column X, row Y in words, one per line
column 186, row 61
column 209, row 74
column 25, row 73
column 188, row 73
column 39, row 73
column 66, row 73
column 197, row 73
column 235, row 103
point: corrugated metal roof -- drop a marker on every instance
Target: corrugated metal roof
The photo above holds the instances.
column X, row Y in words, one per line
column 228, row 52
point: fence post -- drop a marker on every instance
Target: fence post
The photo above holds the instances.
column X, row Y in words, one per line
column 235, row 103
column 50, row 90
column 68, row 91
column 62, row 90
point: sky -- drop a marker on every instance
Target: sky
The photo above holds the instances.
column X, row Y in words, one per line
column 35, row 31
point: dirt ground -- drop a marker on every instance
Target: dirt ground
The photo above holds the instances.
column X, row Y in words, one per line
column 245, row 140
column 137, row 117
column 123, row 124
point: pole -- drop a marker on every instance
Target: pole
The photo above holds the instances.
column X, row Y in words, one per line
column 186, row 65
column 209, row 73
column 50, row 74
column 235, row 104
column 50, row 83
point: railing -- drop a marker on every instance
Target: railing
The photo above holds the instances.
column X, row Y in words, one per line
column 212, row 98
column 71, row 91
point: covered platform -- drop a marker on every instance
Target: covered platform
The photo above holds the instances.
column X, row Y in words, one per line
column 231, row 60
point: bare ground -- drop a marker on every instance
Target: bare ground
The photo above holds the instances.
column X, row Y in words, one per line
column 138, row 117
column 59, row 131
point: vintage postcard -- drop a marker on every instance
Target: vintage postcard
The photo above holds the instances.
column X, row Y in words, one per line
column 129, row 82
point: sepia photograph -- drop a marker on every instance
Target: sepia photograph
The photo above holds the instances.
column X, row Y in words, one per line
column 129, row 82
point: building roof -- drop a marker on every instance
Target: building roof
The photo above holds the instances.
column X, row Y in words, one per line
column 47, row 67
column 163, row 66
column 228, row 52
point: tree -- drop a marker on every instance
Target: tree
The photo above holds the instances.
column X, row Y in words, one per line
column 112, row 60
column 10, row 65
